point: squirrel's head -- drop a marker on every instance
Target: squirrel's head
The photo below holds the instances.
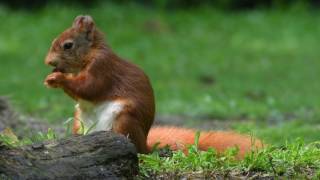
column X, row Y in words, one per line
column 68, row 51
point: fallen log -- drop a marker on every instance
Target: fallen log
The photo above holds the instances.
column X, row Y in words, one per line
column 100, row 155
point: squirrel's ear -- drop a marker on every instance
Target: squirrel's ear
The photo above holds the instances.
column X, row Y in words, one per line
column 84, row 24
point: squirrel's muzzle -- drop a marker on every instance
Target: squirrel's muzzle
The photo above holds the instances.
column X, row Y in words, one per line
column 52, row 60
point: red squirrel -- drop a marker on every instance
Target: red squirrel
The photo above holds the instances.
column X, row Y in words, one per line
column 114, row 94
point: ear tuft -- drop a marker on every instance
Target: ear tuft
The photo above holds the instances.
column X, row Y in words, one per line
column 83, row 23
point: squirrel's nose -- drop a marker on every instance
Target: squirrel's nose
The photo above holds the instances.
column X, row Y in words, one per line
column 52, row 60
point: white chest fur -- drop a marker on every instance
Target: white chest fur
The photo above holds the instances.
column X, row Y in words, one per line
column 99, row 117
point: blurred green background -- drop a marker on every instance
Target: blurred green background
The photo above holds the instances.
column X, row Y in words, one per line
column 251, row 66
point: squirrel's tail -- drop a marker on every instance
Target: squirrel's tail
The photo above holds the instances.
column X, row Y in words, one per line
column 179, row 138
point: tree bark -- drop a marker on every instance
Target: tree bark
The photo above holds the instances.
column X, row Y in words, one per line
column 100, row 155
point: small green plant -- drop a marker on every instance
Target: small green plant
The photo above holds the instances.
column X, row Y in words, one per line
column 90, row 128
column 9, row 139
column 68, row 126
column 83, row 129
column 50, row 135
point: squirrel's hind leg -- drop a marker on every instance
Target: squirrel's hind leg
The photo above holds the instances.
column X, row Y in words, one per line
column 130, row 127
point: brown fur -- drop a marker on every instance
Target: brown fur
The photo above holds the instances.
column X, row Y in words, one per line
column 90, row 71
column 97, row 75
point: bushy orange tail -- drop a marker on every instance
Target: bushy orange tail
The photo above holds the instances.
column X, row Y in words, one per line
column 179, row 138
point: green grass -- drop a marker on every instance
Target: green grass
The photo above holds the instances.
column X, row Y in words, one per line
column 292, row 160
column 259, row 65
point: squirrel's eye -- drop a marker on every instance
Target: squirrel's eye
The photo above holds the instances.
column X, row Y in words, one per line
column 67, row 45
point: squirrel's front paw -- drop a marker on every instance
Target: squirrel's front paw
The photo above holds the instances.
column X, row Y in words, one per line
column 54, row 80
